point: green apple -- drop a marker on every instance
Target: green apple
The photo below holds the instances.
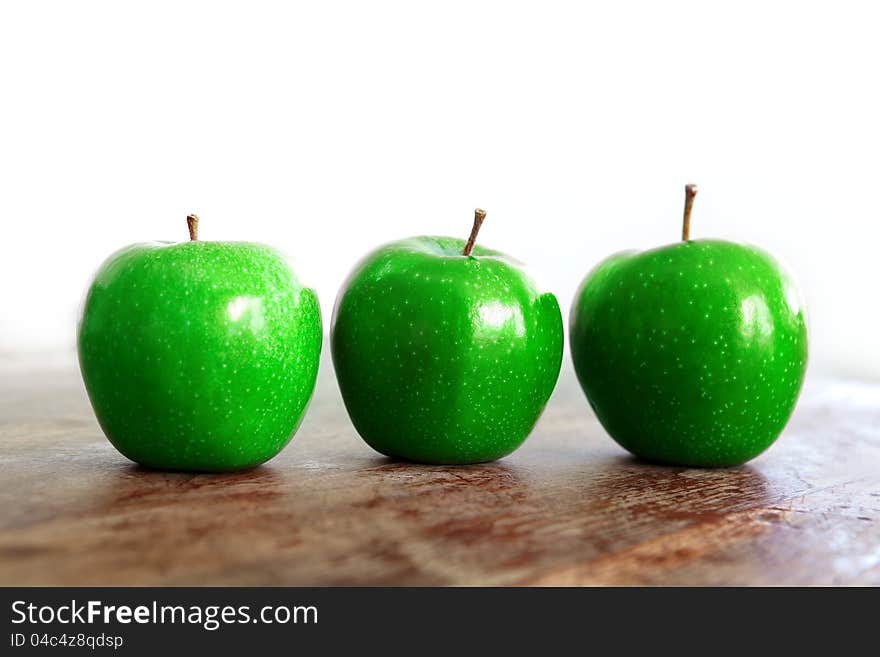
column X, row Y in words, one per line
column 199, row 355
column 444, row 352
column 693, row 353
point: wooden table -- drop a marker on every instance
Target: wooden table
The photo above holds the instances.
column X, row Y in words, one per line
column 569, row 508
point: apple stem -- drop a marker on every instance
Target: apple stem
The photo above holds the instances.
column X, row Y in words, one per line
column 192, row 222
column 479, row 215
column 690, row 191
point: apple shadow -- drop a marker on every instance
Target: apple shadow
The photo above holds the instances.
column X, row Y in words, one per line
column 135, row 484
column 424, row 487
column 637, row 487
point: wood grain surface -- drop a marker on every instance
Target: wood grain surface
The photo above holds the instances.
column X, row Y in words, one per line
column 569, row 508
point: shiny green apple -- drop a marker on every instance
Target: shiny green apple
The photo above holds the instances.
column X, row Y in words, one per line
column 444, row 352
column 693, row 353
column 199, row 355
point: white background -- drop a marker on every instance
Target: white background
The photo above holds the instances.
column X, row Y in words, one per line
column 326, row 128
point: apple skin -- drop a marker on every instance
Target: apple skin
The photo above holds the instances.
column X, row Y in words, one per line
column 443, row 358
column 199, row 356
column 691, row 354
